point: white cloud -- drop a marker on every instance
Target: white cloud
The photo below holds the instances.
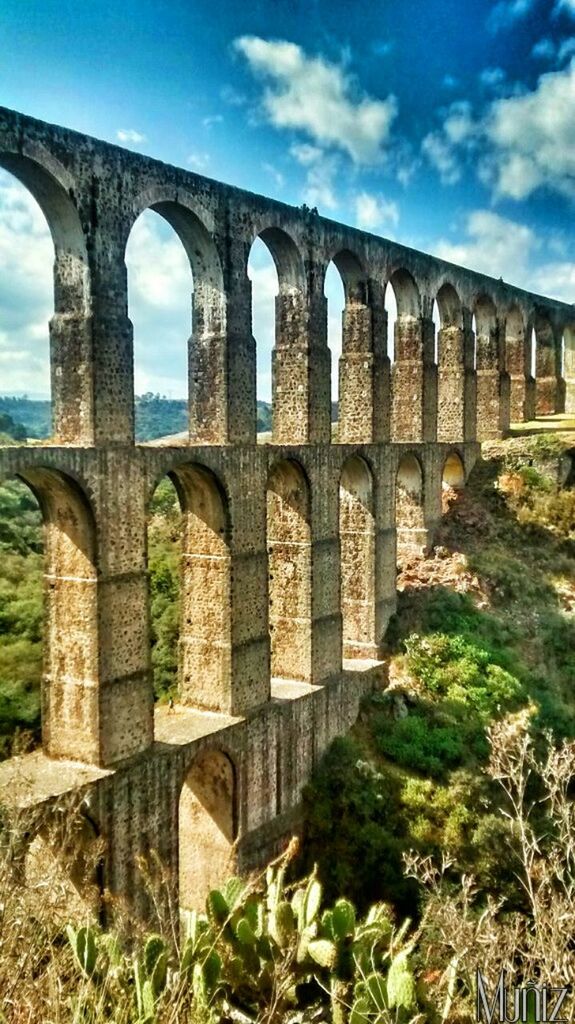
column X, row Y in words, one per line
column 275, row 174
column 495, row 245
column 504, row 13
column 199, row 161
column 208, row 122
column 568, row 6
column 26, row 291
column 524, row 142
column 443, row 157
column 319, row 188
column 130, row 135
column 566, row 49
column 372, row 212
column 306, row 154
column 492, row 77
column 533, row 138
column 557, row 279
column 544, row 49
column 263, row 275
column 312, row 95
column 160, row 306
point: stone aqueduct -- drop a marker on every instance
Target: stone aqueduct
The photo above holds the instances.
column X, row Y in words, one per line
column 289, row 552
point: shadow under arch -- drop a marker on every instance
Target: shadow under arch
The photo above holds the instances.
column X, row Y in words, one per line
column 288, row 531
column 65, row 863
column 69, row 328
column 205, row 668
column 411, row 532
column 207, row 827
column 453, row 472
column 357, row 558
column 70, row 721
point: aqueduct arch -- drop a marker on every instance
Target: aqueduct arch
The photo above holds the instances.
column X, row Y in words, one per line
column 207, row 827
column 289, row 557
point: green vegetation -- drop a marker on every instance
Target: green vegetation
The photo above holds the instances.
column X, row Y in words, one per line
column 266, row 951
column 496, row 637
column 20, row 617
column 155, row 416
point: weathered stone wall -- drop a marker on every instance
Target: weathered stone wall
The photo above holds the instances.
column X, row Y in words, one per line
column 289, row 551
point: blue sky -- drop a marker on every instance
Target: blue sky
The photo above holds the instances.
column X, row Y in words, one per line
column 448, row 126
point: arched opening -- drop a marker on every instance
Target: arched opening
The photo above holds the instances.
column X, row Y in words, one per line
column 262, row 272
column 409, row 508
column 21, row 618
column 452, row 479
column 164, row 554
column 179, row 298
column 207, row 828
column 390, row 306
column 351, row 343
column 64, row 869
column 436, row 320
column 289, row 380
column 334, row 291
column 487, row 355
column 289, row 571
column 450, row 358
column 160, row 299
column 453, row 472
column 357, row 546
column 67, row 632
column 43, row 279
column 205, row 667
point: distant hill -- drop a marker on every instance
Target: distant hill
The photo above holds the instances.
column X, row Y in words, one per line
column 156, row 416
column 33, row 415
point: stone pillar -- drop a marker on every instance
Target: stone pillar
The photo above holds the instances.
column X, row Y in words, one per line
column 364, row 373
column 414, row 380
column 492, row 387
column 112, row 341
column 516, row 362
column 126, row 696
column 250, row 637
column 222, row 354
column 356, row 370
column 71, row 356
column 451, row 384
column 381, row 367
column 561, row 393
column 222, row 364
column 385, row 548
column 470, row 397
column 545, row 370
column 326, row 619
column 97, row 694
column 301, row 364
column 569, row 335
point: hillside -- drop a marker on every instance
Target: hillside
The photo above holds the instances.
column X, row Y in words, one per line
column 485, row 626
column 156, row 416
